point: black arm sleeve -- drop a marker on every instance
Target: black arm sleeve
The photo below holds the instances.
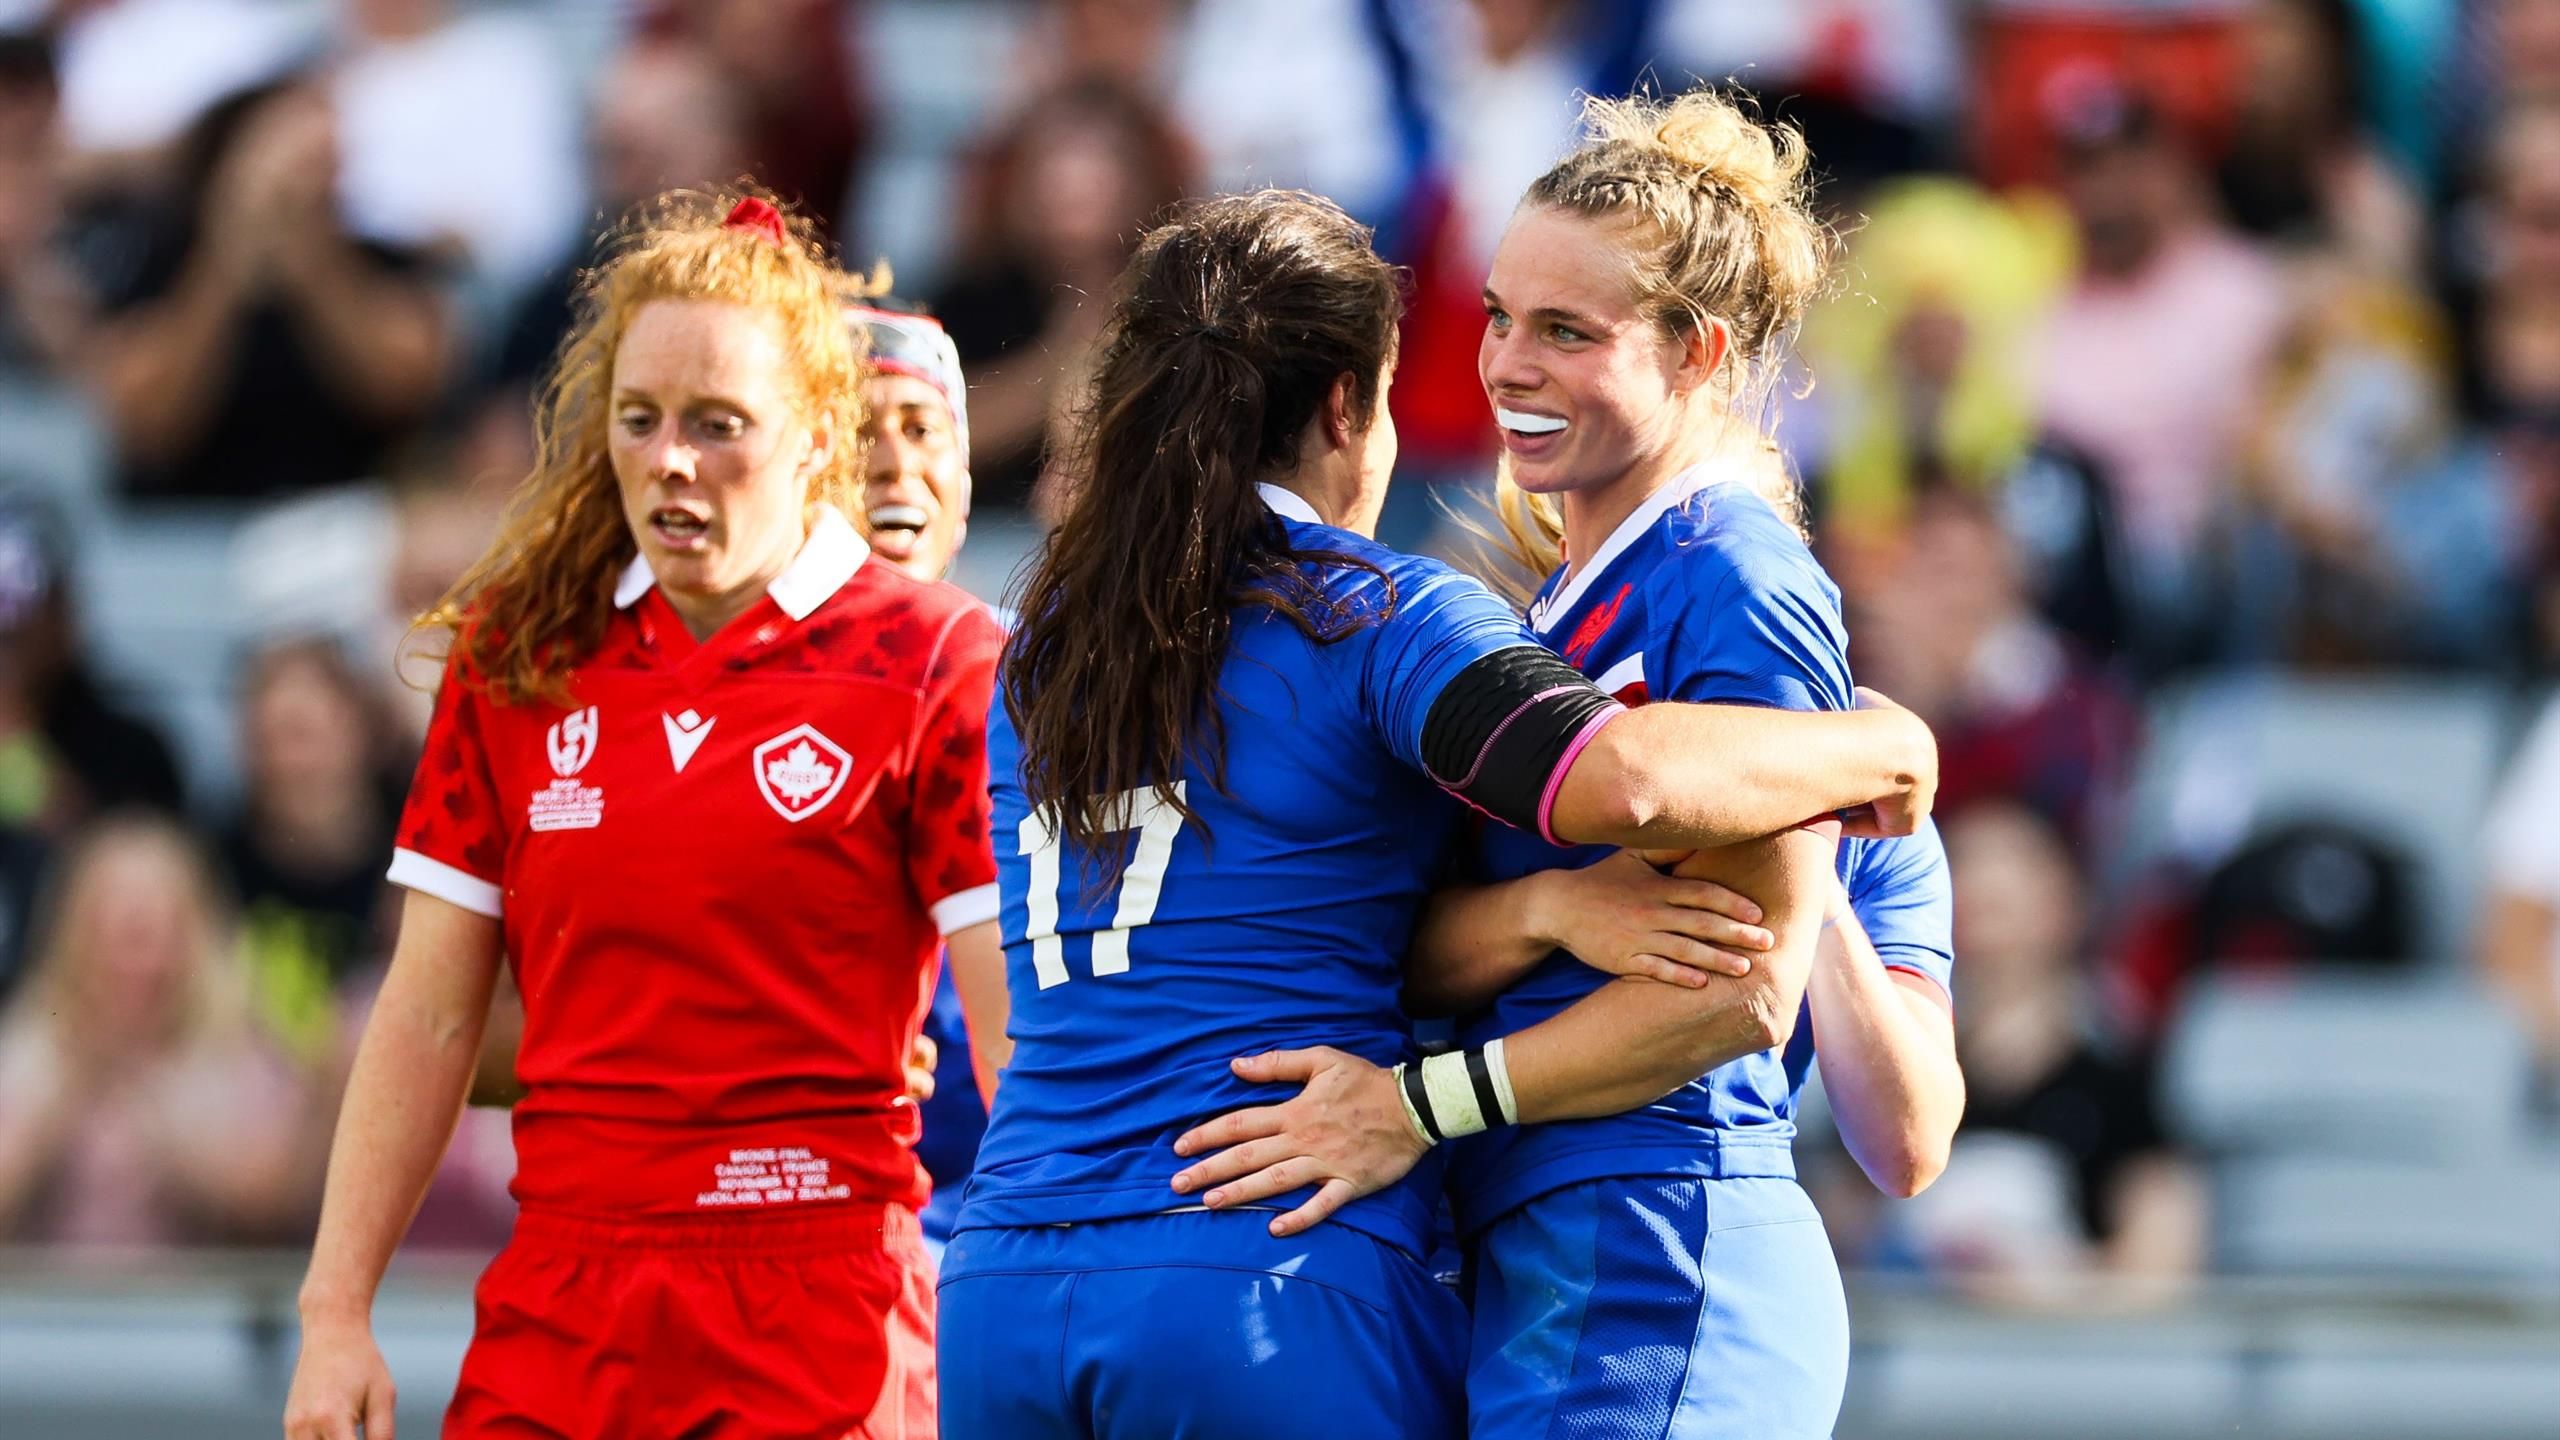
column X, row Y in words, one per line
column 1506, row 726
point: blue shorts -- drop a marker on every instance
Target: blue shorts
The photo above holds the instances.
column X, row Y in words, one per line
column 1666, row 1309
column 1195, row 1326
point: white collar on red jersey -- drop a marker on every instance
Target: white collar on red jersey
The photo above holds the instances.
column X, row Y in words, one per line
column 1288, row 504
column 1671, row 492
column 827, row 559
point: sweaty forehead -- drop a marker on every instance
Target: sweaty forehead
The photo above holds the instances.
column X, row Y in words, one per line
column 1554, row 259
column 676, row 349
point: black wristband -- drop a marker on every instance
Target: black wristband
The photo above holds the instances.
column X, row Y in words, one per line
column 1420, row 1100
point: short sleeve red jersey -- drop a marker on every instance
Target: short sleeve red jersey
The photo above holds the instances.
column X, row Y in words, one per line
column 723, row 871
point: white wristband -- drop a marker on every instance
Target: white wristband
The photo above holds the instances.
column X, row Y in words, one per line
column 1466, row 1092
column 1498, row 1065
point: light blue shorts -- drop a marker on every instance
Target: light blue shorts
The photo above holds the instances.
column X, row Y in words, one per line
column 1658, row 1309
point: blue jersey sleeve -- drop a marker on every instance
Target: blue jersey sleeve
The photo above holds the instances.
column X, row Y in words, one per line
column 1904, row 895
column 1744, row 616
column 1443, row 623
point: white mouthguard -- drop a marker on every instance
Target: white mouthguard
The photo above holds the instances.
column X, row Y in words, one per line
column 1528, row 424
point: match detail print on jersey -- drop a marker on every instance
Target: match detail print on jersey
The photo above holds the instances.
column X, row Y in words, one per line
column 771, row 1175
column 1141, row 885
column 565, row 803
column 799, row 771
column 685, row 734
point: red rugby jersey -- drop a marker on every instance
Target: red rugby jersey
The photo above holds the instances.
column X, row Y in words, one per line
column 724, row 871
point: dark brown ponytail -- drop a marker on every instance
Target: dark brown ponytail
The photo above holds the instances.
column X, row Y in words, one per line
column 1228, row 330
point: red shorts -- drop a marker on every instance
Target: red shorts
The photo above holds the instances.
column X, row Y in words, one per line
column 811, row 1327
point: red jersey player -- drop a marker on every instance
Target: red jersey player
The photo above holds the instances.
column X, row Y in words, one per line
column 713, row 779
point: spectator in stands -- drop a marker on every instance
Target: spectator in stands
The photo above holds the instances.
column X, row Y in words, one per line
column 44, row 313
column 2062, row 1169
column 1050, row 210
column 1924, row 384
column 442, row 113
column 663, row 116
column 137, row 73
column 2303, row 167
column 1240, row 91
column 70, row 750
column 252, row 345
column 2349, row 543
column 2508, row 469
column 2501, row 233
column 789, row 67
column 2520, row 931
column 139, row 1104
column 2021, row 713
column 307, row 848
column 2510, row 57
column 1922, row 359
column 1130, row 44
column 2152, row 363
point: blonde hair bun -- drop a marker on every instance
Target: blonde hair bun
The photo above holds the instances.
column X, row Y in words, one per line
column 1710, row 135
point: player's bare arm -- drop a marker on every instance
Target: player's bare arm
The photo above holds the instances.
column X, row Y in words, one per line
column 1624, row 1045
column 494, row 1084
column 402, row 1102
column 976, row 957
column 1706, row 776
column 1621, row 916
column 1886, row 1042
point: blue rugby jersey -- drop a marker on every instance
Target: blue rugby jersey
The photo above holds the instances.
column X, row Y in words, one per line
column 1285, row 924
column 1703, row 594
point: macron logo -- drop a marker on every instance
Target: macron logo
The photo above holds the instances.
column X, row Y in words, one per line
column 685, row 734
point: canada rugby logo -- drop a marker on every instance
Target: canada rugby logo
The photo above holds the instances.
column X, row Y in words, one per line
column 800, row 771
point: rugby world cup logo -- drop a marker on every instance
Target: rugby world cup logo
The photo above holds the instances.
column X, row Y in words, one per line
column 573, row 742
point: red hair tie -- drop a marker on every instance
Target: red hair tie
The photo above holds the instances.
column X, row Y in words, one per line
column 760, row 217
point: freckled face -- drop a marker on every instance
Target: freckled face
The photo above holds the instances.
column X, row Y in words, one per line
column 709, row 446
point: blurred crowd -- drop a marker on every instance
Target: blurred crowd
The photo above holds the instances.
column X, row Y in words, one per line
column 2174, row 339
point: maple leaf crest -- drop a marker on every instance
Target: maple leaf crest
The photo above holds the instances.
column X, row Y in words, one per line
column 799, row 775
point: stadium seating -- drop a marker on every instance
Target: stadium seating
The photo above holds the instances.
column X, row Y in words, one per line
column 2485, row 1228
column 2345, row 1065
column 2409, row 759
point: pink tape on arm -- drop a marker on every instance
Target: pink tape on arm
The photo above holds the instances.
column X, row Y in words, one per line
column 1564, row 763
